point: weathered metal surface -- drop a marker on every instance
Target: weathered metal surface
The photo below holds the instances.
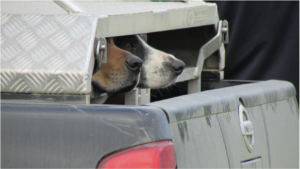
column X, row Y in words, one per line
column 74, row 136
column 234, row 142
column 272, row 110
column 199, row 143
column 226, row 99
column 50, row 54
column 197, row 104
column 70, row 6
column 282, row 128
column 19, row 98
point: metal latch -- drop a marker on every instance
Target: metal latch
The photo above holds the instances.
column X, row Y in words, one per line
column 225, row 32
column 246, row 128
column 100, row 52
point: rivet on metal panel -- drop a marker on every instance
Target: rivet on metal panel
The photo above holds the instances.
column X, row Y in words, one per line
column 246, row 128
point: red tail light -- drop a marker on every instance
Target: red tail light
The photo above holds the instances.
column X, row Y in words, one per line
column 151, row 155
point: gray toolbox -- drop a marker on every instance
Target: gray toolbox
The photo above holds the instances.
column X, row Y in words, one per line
column 39, row 38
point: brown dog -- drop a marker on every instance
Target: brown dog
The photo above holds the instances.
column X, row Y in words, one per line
column 120, row 74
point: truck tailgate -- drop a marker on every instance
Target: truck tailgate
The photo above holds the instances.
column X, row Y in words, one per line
column 206, row 128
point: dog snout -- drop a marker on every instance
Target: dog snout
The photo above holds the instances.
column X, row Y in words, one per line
column 134, row 63
column 177, row 66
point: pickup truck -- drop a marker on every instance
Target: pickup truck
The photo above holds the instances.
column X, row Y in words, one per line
column 230, row 124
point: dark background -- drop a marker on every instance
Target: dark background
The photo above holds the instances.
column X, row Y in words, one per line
column 263, row 40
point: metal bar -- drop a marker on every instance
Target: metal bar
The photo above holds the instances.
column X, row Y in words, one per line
column 131, row 98
column 144, row 96
column 194, row 86
column 70, row 6
column 44, row 98
column 187, row 74
column 209, row 48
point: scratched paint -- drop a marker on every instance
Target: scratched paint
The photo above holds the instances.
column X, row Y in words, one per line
column 183, row 130
column 293, row 105
column 207, row 112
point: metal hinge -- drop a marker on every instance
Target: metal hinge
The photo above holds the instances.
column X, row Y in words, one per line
column 70, row 6
column 246, row 128
column 100, row 51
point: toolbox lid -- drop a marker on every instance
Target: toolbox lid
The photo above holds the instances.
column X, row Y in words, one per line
column 47, row 54
column 135, row 17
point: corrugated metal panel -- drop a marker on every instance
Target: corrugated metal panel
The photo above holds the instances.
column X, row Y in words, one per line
column 49, row 54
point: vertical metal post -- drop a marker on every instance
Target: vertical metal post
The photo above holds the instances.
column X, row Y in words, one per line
column 131, row 98
column 144, row 96
column 194, row 86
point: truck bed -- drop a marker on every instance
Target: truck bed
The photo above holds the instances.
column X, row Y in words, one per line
column 204, row 128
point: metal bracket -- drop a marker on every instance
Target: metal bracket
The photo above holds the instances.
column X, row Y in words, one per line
column 211, row 46
column 100, row 51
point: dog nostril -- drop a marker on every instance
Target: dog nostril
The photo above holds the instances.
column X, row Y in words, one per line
column 177, row 66
column 134, row 63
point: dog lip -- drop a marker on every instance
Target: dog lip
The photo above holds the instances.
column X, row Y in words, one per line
column 97, row 89
column 125, row 89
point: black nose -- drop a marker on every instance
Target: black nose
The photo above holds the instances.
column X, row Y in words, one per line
column 177, row 66
column 134, row 63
